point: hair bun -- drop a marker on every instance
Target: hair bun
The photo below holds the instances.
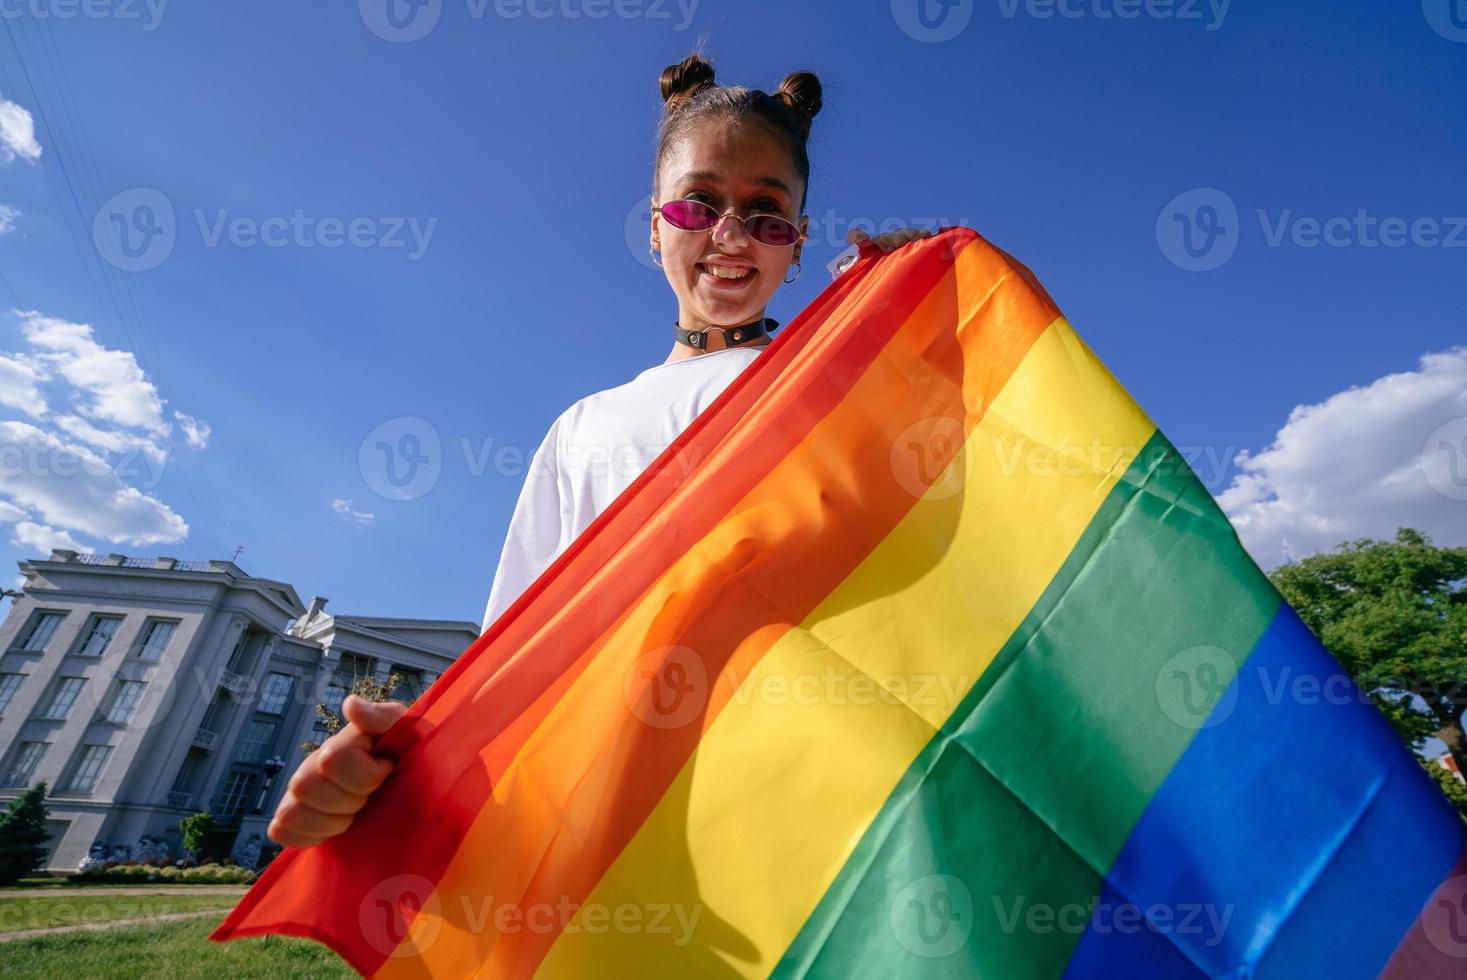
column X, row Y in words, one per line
column 680, row 82
column 801, row 92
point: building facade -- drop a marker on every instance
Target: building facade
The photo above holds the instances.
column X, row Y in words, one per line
column 143, row 690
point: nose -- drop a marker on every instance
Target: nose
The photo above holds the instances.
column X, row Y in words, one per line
column 729, row 230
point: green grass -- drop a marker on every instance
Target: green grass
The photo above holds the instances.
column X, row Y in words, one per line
column 79, row 908
column 166, row 951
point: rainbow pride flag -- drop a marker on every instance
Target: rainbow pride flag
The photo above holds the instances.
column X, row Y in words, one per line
column 921, row 653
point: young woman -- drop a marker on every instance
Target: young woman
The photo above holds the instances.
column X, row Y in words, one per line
column 728, row 198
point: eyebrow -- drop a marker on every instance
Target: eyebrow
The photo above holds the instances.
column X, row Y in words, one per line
column 708, row 176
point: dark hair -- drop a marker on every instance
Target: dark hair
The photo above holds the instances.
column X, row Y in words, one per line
column 689, row 94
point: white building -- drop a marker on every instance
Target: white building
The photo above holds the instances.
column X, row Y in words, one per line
column 143, row 690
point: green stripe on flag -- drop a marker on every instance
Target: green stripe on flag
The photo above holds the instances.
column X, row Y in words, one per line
column 988, row 856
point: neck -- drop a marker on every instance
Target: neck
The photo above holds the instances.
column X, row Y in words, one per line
column 681, row 350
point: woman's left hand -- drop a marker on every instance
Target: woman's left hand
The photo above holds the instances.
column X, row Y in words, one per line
column 889, row 240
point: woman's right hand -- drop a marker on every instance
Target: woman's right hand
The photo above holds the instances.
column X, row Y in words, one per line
column 334, row 781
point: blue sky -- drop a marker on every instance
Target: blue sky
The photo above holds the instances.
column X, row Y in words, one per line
column 492, row 167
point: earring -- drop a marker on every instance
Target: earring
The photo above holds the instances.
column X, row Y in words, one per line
column 797, row 273
column 656, row 257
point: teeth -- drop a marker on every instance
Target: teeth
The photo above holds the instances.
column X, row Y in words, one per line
column 723, row 273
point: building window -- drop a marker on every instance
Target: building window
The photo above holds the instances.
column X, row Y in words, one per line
column 99, row 636
column 125, row 697
column 275, row 694
column 23, row 765
column 63, row 696
column 259, row 736
column 155, row 638
column 42, row 628
column 89, row 767
column 9, row 684
column 236, row 794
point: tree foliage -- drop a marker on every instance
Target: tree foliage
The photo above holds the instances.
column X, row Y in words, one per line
column 1394, row 614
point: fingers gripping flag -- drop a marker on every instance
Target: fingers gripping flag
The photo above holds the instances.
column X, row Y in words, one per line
column 919, row 653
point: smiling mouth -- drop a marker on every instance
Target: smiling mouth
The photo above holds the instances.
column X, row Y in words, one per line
column 731, row 278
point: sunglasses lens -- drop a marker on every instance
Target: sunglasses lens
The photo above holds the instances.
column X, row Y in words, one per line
column 772, row 230
column 689, row 215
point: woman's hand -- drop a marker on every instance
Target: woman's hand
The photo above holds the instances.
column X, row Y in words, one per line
column 334, row 781
column 889, row 240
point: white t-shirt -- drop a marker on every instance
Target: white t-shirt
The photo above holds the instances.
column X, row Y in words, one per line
column 600, row 445
column 594, row 451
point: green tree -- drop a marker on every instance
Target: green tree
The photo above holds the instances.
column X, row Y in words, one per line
column 196, row 830
column 23, row 835
column 1394, row 614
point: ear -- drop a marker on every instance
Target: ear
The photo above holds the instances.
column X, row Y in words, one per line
column 804, row 230
column 655, row 238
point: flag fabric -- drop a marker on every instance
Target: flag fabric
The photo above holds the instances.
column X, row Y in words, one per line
column 921, row 652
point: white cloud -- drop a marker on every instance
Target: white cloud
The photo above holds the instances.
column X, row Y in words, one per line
column 84, row 437
column 20, row 378
column 195, row 431
column 17, row 133
column 117, row 441
column 350, row 515
column 114, row 385
column 74, row 489
column 1361, row 463
column 42, row 539
column 8, row 215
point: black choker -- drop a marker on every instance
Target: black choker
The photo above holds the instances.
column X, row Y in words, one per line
column 720, row 338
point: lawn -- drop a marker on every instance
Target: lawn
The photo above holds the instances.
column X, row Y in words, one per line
column 166, row 951
column 79, row 908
